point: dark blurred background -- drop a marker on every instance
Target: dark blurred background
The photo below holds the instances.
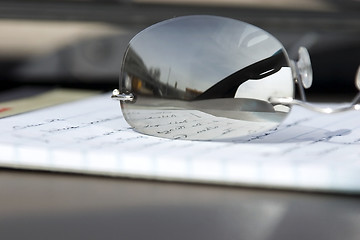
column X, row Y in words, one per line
column 81, row 43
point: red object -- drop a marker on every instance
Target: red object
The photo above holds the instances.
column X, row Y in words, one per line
column 4, row 109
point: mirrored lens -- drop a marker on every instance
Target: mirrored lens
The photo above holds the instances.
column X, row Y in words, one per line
column 204, row 78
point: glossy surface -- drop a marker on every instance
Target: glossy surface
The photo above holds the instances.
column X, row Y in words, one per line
column 53, row 206
column 204, row 78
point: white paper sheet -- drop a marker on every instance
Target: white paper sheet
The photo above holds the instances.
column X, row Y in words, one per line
column 308, row 151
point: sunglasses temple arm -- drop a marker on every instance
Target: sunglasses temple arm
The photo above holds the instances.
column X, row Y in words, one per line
column 328, row 110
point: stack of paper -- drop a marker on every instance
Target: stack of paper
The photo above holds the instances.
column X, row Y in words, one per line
column 308, row 151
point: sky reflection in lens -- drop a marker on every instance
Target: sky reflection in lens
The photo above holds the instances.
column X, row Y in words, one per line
column 199, row 51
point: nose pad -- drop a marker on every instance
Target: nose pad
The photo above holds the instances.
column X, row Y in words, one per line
column 303, row 68
column 357, row 84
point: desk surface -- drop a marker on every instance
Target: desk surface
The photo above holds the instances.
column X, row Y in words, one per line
column 37, row 205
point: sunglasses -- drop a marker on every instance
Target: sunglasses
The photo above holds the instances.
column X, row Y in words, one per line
column 211, row 78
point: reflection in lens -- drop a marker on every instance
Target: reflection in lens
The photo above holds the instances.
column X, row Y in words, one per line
column 204, row 78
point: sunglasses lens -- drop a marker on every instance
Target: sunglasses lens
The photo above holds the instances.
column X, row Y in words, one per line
column 204, row 78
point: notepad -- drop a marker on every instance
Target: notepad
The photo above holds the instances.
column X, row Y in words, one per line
column 308, row 151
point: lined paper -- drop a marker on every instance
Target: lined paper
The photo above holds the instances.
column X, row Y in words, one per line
column 307, row 151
